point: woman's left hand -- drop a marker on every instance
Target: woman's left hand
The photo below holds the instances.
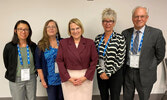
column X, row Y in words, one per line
column 81, row 80
column 104, row 76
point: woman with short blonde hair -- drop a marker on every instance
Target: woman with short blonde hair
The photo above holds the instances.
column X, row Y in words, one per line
column 77, row 58
column 111, row 49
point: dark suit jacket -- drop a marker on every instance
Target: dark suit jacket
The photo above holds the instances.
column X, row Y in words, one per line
column 152, row 53
column 70, row 57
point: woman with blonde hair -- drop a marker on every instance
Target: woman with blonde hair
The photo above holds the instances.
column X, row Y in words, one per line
column 77, row 58
column 111, row 50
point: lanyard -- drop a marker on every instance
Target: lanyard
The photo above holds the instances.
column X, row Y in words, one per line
column 106, row 44
column 141, row 41
column 57, row 42
column 28, row 55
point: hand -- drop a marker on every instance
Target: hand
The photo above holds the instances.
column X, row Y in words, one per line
column 104, row 76
column 73, row 81
column 44, row 84
column 77, row 81
column 81, row 80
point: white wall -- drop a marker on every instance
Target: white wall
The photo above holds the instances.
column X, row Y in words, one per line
column 37, row 12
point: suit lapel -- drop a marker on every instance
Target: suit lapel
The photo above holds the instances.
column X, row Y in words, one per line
column 145, row 39
column 81, row 46
column 129, row 35
column 73, row 48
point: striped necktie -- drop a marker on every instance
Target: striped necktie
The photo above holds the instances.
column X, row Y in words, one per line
column 135, row 43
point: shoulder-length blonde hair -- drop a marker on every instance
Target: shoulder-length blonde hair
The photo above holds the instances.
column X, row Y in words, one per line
column 44, row 42
column 77, row 22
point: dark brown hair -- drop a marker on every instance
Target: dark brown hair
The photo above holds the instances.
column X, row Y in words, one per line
column 15, row 39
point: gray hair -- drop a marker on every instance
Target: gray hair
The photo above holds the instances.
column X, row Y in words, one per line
column 109, row 13
column 133, row 11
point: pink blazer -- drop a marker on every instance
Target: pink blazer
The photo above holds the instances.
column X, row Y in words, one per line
column 70, row 57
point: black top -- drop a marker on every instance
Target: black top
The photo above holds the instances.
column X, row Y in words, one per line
column 10, row 54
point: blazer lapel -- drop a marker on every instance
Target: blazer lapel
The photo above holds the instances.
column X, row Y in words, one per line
column 73, row 48
column 129, row 38
column 146, row 37
column 81, row 46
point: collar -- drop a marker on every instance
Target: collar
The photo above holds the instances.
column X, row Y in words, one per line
column 141, row 30
column 114, row 33
column 82, row 41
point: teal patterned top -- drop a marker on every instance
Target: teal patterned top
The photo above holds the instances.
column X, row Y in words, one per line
column 50, row 57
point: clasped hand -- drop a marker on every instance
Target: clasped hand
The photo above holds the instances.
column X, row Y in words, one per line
column 77, row 81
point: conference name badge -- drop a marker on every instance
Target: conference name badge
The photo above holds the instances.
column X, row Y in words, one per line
column 134, row 61
column 56, row 68
column 25, row 74
column 101, row 63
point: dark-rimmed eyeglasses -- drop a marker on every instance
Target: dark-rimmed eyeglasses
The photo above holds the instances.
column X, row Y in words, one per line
column 21, row 30
column 108, row 21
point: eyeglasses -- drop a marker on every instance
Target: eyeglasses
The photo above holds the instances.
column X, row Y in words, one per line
column 50, row 27
column 142, row 17
column 106, row 21
column 21, row 30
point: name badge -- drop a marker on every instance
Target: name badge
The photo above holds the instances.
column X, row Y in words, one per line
column 134, row 61
column 101, row 63
column 56, row 68
column 25, row 74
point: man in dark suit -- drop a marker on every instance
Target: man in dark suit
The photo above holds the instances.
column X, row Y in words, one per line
column 145, row 50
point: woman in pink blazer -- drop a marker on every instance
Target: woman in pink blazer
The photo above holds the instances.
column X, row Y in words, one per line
column 77, row 58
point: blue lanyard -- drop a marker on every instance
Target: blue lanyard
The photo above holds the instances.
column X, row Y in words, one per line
column 140, row 45
column 28, row 55
column 57, row 42
column 106, row 44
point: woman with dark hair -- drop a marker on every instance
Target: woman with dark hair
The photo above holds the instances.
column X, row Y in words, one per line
column 46, row 65
column 18, row 56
